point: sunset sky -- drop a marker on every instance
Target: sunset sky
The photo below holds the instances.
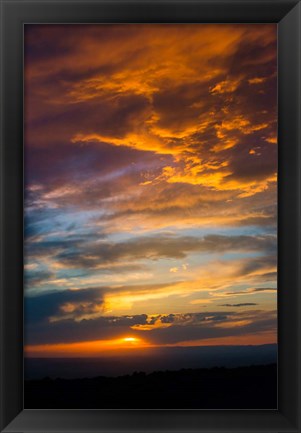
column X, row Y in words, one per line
column 150, row 186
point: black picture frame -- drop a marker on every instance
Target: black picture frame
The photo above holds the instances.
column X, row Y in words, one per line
column 14, row 13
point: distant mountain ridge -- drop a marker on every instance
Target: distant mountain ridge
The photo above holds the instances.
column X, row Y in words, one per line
column 168, row 358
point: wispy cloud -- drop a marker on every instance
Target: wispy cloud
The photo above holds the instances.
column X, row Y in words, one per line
column 151, row 180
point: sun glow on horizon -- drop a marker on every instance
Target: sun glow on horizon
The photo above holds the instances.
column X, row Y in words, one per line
column 126, row 345
column 86, row 348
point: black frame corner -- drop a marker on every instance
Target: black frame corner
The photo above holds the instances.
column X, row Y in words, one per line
column 14, row 13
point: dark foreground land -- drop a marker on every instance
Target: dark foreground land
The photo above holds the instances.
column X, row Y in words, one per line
column 253, row 387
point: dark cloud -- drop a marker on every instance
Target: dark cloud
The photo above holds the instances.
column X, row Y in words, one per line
column 39, row 309
column 167, row 319
column 35, row 277
column 260, row 263
column 258, row 166
column 182, row 327
column 206, row 329
column 99, row 116
column 246, row 304
column 261, row 289
column 86, row 254
column 253, row 290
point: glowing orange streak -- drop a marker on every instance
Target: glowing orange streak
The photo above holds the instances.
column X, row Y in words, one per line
column 85, row 348
column 124, row 346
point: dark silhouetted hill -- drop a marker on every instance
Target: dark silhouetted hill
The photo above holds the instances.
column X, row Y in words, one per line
column 253, row 387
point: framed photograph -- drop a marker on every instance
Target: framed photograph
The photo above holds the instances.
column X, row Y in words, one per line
column 150, row 216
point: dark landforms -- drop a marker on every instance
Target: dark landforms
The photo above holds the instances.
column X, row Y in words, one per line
column 251, row 387
column 158, row 359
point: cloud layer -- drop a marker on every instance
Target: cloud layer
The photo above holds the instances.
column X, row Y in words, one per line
column 151, row 181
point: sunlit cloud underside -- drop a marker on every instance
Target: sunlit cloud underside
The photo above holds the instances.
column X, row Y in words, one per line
column 151, row 186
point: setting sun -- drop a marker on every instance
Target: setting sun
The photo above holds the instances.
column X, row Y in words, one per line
column 84, row 348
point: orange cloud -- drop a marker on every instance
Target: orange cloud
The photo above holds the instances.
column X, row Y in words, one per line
column 148, row 132
column 86, row 348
